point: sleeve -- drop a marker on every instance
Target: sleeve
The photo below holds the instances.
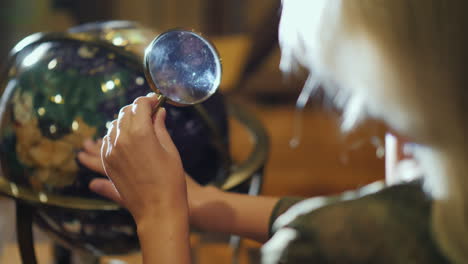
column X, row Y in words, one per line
column 280, row 208
column 370, row 225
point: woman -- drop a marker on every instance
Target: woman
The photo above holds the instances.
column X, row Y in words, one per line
column 401, row 61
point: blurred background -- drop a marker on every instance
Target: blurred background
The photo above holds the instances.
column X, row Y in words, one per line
column 22, row 17
column 325, row 162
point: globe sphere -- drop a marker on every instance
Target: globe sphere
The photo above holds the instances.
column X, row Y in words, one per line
column 63, row 88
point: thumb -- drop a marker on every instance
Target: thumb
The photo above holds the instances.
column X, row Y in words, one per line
column 107, row 189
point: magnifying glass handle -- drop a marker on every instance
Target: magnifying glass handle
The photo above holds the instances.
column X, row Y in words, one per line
column 161, row 101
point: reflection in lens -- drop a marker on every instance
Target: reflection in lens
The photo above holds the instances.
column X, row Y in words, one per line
column 184, row 67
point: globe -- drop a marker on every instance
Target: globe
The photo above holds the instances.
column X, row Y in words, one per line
column 63, row 88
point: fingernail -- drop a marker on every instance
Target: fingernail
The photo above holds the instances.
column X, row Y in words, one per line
column 151, row 94
column 163, row 113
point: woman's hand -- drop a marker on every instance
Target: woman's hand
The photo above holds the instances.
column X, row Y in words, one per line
column 91, row 155
column 198, row 195
column 142, row 162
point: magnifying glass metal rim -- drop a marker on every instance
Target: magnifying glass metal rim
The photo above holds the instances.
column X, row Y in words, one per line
column 163, row 98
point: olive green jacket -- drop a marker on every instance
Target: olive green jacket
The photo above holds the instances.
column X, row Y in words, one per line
column 371, row 225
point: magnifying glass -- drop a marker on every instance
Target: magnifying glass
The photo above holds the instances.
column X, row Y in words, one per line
column 182, row 67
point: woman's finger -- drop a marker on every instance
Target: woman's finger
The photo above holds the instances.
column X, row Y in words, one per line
column 105, row 152
column 111, row 135
column 92, row 147
column 92, row 162
column 143, row 106
column 107, row 189
column 124, row 117
column 161, row 132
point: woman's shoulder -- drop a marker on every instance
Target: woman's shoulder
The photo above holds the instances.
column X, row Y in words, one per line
column 386, row 225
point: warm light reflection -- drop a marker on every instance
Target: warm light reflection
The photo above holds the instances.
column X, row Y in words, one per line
column 57, row 99
column 36, row 55
column 380, row 152
column 75, row 125
column 52, row 129
column 110, row 85
column 41, row 111
column 52, row 64
column 104, row 88
column 43, row 197
column 14, row 189
column 140, row 81
column 119, row 41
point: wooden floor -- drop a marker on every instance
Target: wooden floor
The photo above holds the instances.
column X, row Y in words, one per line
column 325, row 161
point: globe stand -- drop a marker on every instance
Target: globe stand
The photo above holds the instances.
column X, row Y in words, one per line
column 25, row 239
column 64, row 255
column 61, row 255
column 24, row 219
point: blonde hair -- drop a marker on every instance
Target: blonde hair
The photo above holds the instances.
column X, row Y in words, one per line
column 404, row 62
